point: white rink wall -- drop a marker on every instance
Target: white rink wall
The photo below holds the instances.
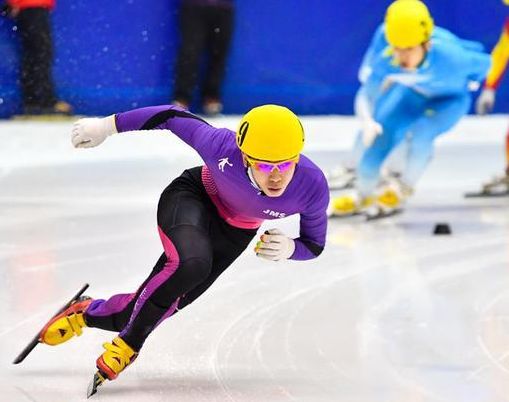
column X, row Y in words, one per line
column 32, row 143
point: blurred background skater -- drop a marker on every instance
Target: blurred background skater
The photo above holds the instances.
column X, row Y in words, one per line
column 486, row 101
column 32, row 18
column 205, row 32
column 416, row 80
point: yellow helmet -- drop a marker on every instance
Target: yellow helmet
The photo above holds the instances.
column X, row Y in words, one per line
column 270, row 133
column 506, row 2
column 408, row 23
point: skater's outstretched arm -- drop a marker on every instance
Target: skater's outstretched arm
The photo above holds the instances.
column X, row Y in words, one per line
column 499, row 58
column 197, row 133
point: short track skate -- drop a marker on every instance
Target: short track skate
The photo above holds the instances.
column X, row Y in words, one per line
column 498, row 187
column 37, row 339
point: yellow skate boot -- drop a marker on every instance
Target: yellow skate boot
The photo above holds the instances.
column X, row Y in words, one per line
column 111, row 363
column 65, row 325
column 387, row 203
column 116, row 358
column 391, row 198
column 349, row 204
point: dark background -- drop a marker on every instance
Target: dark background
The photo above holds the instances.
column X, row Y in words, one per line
column 116, row 55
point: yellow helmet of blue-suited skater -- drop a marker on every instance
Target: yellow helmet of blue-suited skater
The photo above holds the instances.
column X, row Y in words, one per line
column 408, row 23
column 270, row 133
column 505, row 2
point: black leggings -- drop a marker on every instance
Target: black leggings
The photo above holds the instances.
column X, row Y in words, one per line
column 37, row 57
column 199, row 245
column 202, row 28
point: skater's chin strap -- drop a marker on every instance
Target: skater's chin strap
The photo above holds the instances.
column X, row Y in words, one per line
column 252, row 180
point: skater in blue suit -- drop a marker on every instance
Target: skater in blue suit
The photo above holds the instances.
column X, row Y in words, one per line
column 416, row 83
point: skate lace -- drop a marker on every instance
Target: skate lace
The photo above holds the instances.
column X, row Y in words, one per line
column 75, row 319
column 76, row 323
column 118, row 356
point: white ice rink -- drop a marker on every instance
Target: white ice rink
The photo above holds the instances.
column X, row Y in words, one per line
column 388, row 313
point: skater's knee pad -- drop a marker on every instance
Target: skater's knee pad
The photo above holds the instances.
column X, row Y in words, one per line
column 190, row 247
column 189, row 274
column 187, row 241
column 194, row 271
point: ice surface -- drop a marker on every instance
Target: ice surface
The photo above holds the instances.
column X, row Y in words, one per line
column 387, row 313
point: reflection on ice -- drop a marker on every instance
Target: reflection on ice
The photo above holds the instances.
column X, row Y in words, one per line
column 388, row 312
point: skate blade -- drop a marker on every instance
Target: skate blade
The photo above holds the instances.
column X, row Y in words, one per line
column 382, row 214
column 336, row 187
column 345, row 216
column 37, row 339
column 335, row 215
column 96, row 382
column 486, row 194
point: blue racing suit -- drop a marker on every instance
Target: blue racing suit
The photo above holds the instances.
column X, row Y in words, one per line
column 417, row 105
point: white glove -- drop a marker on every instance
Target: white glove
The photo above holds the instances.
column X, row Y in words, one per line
column 275, row 246
column 485, row 101
column 370, row 130
column 91, row 132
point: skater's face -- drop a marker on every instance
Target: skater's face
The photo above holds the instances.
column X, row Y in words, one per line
column 410, row 58
column 272, row 178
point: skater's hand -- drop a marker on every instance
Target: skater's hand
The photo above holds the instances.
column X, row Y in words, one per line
column 91, row 132
column 485, row 101
column 370, row 130
column 274, row 245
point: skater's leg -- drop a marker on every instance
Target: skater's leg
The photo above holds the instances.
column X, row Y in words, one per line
column 185, row 216
column 192, row 23
column 441, row 115
column 357, row 152
column 220, row 30
column 396, row 161
column 395, row 111
column 228, row 243
column 36, row 67
column 187, row 222
column 114, row 313
column 183, row 220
